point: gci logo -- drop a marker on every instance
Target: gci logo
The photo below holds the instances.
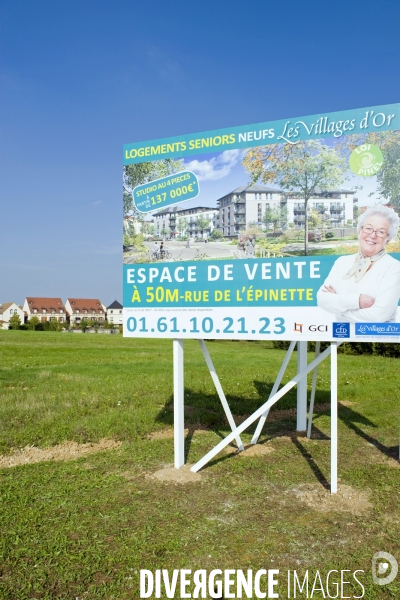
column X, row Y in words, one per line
column 320, row 328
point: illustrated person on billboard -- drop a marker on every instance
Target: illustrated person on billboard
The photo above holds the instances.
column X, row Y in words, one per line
column 250, row 247
column 366, row 288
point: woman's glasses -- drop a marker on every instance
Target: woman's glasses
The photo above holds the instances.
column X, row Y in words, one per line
column 381, row 233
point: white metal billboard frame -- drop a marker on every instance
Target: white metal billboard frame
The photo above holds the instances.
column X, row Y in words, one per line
column 261, row 413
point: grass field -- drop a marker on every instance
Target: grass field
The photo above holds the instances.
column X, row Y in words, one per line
column 84, row 526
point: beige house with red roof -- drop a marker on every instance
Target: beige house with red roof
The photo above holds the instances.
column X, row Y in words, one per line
column 46, row 309
column 90, row 309
column 8, row 310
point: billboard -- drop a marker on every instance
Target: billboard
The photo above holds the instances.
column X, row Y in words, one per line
column 280, row 230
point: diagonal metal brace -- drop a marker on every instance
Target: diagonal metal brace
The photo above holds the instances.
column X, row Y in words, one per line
column 260, row 411
column 220, row 391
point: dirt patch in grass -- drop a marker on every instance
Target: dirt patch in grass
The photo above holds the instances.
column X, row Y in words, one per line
column 64, row 451
column 347, row 499
column 177, row 476
column 166, row 434
column 256, row 450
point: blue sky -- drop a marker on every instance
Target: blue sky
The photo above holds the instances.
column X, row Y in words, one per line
column 81, row 78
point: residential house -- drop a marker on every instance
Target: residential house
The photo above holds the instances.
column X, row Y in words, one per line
column 90, row 309
column 8, row 310
column 46, row 309
column 114, row 313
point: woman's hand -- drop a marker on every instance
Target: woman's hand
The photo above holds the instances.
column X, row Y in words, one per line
column 366, row 301
column 329, row 288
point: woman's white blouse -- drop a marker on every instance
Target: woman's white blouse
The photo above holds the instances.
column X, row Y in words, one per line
column 381, row 281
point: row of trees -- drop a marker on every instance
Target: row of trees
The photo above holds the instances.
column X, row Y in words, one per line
column 35, row 323
column 303, row 167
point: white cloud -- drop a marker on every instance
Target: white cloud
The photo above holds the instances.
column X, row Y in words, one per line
column 217, row 167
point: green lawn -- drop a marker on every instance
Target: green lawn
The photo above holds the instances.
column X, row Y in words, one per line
column 84, row 528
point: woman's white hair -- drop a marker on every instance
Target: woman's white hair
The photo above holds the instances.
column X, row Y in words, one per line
column 386, row 213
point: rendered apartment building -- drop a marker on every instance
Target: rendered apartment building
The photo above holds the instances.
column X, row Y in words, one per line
column 247, row 205
column 168, row 221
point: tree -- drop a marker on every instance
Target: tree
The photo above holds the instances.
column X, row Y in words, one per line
column 182, row 225
column 253, row 229
column 33, row 322
column 216, row 234
column 14, row 322
column 148, row 228
column 388, row 177
column 274, row 216
column 297, row 169
column 83, row 325
column 314, row 219
column 202, row 223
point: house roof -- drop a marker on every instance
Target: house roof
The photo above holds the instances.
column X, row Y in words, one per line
column 83, row 304
column 47, row 304
column 115, row 304
column 5, row 305
column 254, row 188
column 319, row 190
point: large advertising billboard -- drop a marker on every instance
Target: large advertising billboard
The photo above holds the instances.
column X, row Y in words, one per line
column 280, row 230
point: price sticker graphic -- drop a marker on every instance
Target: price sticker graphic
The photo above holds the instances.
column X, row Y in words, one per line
column 168, row 190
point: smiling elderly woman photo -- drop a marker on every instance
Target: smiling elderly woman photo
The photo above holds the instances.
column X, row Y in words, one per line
column 366, row 287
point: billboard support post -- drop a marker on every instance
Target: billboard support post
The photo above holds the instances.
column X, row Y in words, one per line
column 179, row 421
column 220, row 391
column 301, row 387
column 313, row 388
column 334, row 418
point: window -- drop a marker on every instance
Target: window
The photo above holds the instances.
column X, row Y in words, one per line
column 53, row 312
column 61, row 311
column 44, row 311
column 111, row 311
column 111, row 319
column 85, row 311
column 77, row 312
column 35, row 311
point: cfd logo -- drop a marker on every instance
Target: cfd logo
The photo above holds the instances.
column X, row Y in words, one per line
column 320, row 328
column 298, row 327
